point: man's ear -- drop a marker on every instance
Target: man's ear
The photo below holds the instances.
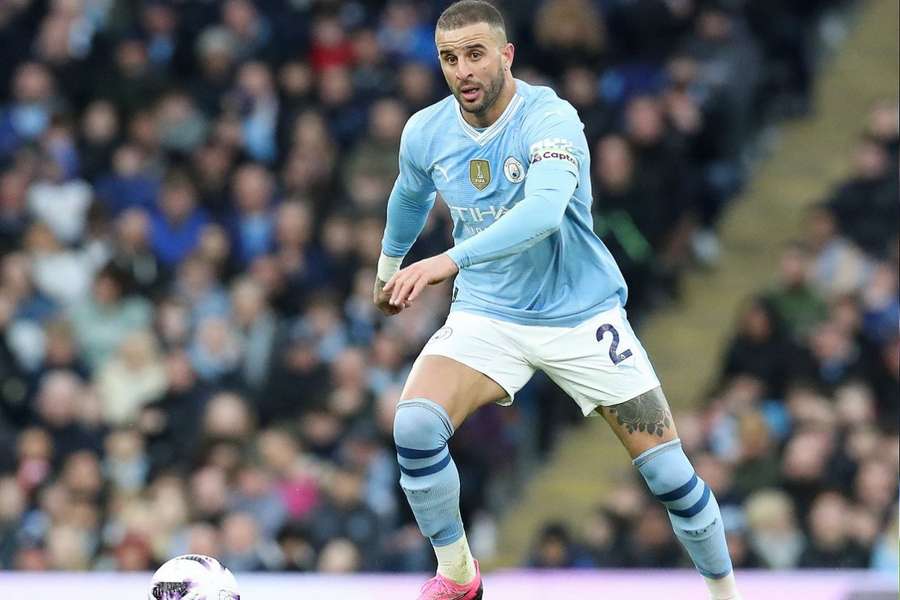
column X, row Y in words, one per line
column 509, row 53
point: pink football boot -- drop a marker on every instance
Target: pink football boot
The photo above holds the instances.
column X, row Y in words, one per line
column 441, row 588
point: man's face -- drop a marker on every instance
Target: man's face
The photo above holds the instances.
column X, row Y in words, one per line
column 474, row 59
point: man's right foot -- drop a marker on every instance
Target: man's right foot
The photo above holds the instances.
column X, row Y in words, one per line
column 442, row 588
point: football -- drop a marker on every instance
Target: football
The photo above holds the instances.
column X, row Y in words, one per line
column 193, row 577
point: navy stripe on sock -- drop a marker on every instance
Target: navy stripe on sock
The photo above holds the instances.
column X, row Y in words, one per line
column 697, row 507
column 426, row 470
column 679, row 492
column 413, row 453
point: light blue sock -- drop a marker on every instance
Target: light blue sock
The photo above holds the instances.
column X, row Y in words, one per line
column 691, row 505
column 428, row 474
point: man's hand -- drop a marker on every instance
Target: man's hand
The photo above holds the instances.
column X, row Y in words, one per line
column 406, row 284
column 382, row 299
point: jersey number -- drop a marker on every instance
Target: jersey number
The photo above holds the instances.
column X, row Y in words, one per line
column 614, row 356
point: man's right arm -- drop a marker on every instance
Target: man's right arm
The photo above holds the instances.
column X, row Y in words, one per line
column 408, row 206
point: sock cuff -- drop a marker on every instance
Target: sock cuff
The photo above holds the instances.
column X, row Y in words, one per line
column 710, row 575
column 648, row 455
column 432, row 406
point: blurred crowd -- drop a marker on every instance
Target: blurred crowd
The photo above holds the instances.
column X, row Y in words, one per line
column 192, row 195
column 800, row 440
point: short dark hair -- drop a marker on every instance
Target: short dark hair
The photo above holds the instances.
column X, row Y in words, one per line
column 468, row 12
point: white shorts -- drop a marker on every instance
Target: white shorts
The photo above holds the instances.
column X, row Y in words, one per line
column 598, row 363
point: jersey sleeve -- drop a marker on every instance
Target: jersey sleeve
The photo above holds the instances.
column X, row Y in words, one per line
column 537, row 216
column 411, row 198
column 554, row 137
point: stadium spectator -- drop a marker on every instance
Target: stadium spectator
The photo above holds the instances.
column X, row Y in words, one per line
column 176, row 225
column 107, row 316
column 554, row 549
column 759, row 348
column 774, row 533
column 28, row 113
column 134, row 376
column 865, row 206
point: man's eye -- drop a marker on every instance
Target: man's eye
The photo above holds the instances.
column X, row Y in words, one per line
column 451, row 60
column 475, row 55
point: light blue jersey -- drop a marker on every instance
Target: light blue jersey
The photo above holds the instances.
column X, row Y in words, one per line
column 519, row 194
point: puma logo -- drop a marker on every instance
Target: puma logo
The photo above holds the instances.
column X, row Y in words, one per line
column 441, row 170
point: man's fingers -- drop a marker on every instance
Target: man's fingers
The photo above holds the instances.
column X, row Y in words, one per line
column 408, row 286
column 390, row 283
column 396, row 284
column 417, row 289
column 401, row 294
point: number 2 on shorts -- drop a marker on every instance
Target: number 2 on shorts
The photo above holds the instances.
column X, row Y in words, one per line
column 614, row 356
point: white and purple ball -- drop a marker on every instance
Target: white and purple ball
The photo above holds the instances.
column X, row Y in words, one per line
column 193, row 577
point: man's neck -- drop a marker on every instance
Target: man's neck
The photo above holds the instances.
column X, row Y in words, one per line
column 488, row 118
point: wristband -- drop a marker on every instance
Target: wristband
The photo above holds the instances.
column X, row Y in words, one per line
column 387, row 266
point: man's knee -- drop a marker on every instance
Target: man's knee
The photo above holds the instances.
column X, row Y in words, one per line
column 422, row 426
column 643, row 422
column 667, row 470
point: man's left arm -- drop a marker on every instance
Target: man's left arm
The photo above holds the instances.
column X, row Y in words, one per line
column 548, row 188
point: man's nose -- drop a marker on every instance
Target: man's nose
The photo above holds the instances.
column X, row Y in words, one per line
column 463, row 71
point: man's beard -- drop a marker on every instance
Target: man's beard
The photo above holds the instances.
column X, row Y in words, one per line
column 491, row 92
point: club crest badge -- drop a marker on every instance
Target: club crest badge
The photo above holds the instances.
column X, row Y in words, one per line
column 513, row 170
column 442, row 334
column 479, row 173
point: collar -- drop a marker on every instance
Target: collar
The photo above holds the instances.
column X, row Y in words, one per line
column 482, row 137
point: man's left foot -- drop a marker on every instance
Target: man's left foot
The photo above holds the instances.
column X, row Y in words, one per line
column 442, row 588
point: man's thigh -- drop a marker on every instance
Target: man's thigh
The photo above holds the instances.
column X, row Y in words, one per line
column 466, row 364
column 599, row 363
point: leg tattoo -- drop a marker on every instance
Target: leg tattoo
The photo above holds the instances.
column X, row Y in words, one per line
column 648, row 412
